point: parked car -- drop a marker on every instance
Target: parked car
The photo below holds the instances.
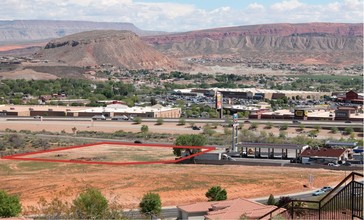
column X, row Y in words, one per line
column 38, row 117
column 318, row 192
column 333, row 164
column 98, row 117
column 348, row 121
column 120, row 118
column 296, row 122
column 326, row 188
column 347, row 164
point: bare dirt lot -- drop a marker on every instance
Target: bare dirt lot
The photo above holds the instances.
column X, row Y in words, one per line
column 110, row 153
column 177, row 184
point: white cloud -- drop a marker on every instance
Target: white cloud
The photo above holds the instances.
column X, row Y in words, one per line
column 182, row 17
column 256, row 6
column 287, row 5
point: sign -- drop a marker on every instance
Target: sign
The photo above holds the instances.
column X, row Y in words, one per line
column 235, row 118
column 218, row 100
column 300, row 113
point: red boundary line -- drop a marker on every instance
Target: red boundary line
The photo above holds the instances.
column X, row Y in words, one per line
column 20, row 156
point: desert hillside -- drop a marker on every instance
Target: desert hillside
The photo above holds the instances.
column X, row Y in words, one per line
column 119, row 48
column 322, row 42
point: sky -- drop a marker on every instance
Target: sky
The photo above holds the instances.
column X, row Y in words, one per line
column 186, row 15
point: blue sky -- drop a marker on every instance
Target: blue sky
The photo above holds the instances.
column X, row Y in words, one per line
column 186, row 15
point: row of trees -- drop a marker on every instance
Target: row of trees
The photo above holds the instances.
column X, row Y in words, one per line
column 91, row 204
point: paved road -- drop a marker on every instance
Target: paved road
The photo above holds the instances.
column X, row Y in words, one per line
column 354, row 124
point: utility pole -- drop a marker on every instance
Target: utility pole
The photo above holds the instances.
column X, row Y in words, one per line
column 234, row 147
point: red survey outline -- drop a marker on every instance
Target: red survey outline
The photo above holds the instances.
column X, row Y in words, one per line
column 20, row 156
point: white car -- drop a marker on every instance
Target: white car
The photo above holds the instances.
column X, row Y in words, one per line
column 98, row 117
column 333, row 164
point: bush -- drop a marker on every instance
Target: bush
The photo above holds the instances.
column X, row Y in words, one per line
column 348, row 130
column 90, row 204
column 181, row 121
column 253, row 126
column 151, row 204
column 144, row 129
column 159, row 121
column 137, row 120
column 334, row 130
column 9, row 205
column 216, row 193
column 283, row 127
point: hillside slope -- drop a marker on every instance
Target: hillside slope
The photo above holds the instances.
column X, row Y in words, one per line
column 119, row 48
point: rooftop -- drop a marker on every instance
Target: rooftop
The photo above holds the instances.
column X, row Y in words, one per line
column 323, row 152
column 229, row 209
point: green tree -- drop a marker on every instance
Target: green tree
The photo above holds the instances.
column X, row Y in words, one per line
column 9, row 205
column 189, row 140
column 90, row 204
column 137, row 120
column 151, row 205
column 159, row 121
column 144, row 129
column 271, row 200
column 216, row 193
column 153, row 101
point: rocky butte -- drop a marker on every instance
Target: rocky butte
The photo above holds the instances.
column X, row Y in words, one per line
column 119, row 48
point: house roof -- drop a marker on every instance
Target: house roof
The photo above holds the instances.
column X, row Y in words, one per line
column 323, row 152
column 229, row 209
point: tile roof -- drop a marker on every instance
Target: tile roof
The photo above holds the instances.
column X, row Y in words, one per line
column 323, row 152
column 229, row 209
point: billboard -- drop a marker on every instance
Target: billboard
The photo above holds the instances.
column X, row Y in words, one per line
column 218, row 100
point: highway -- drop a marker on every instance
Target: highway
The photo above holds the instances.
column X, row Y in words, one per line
column 354, row 124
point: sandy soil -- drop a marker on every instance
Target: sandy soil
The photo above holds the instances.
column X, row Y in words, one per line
column 110, row 153
column 176, row 184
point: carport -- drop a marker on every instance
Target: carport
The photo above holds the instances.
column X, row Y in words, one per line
column 272, row 149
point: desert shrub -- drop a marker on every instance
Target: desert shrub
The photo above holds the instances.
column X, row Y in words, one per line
column 9, row 205
column 216, row 193
column 151, row 204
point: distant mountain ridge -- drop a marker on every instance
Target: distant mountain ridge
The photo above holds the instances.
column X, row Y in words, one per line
column 331, row 43
column 41, row 30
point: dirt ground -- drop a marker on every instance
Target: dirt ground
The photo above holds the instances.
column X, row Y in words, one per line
column 176, row 184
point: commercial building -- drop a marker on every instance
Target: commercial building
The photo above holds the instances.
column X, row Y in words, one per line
column 156, row 111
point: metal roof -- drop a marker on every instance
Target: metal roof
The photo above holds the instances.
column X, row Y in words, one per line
column 271, row 145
